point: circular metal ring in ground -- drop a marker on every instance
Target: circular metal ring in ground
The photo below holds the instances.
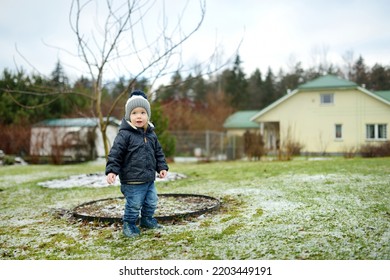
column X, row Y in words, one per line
column 170, row 207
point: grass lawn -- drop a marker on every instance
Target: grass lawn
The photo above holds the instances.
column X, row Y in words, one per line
column 335, row 209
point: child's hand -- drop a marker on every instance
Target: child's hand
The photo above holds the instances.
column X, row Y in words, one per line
column 163, row 174
column 111, row 177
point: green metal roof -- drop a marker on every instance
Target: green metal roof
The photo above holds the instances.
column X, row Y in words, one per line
column 385, row 94
column 241, row 119
column 328, row 82
column 73, row 122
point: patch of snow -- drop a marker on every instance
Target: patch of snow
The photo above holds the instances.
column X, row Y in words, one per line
column 317, row 158
column 185, row 159
column 97, row 180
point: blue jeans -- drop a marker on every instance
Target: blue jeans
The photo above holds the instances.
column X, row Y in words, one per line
column 139, row 197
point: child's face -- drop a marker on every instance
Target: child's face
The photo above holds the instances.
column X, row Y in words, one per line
column 139, row 117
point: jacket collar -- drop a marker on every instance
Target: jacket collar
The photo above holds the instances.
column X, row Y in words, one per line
column 127, row 124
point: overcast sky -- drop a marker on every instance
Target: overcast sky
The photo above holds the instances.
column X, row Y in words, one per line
column 274, row 33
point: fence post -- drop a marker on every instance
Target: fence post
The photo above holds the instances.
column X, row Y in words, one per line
column 208, row 143
column 221, row 143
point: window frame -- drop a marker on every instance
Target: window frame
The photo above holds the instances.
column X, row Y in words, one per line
column 323, row 98
column 376, row 132
column 338, row 131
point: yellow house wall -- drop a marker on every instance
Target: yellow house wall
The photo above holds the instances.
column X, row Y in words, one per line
column 303, row 119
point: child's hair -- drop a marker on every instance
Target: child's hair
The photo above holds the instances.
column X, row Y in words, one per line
column 137, row 99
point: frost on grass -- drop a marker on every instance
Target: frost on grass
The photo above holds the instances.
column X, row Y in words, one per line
column 11, row 180
column 312, row 216
column 290, row 216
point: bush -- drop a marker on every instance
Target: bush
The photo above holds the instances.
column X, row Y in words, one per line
column 349, row 152
column 253, row 145
column 167, row 141
column 289, row 149
column 372, row 150
column 15, row 139
column 8, row 160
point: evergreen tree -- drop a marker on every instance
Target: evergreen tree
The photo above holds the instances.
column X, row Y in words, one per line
column 360, row 75
column 237, row 86
column 118, row 87
column 58, row 78
column 269, row 94
column 172, row 91
column 23, row 99
column 83, row 89
column 379, row 78
column 289, row 81
column 255, row 90
column 160, row 121
column 200, row 88
column 8, row 107
column 59, row 84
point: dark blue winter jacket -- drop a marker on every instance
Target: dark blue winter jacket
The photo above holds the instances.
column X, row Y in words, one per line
column 136, row 154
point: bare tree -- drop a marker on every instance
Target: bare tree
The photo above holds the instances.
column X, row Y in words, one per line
column 122, row 38
column 348, row 58
column 319, row 56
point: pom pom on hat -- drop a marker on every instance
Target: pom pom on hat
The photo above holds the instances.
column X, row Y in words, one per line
column 139, row 93
column 137, row 99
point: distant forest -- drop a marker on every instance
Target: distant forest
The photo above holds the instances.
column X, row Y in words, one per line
column 27, row 99
column 194, row 102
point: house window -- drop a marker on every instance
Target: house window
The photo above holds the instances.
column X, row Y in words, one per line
column 338, row 131
column 327, row 98
column 376, row 131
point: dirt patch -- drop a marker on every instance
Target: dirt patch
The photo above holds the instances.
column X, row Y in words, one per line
column 170, row 207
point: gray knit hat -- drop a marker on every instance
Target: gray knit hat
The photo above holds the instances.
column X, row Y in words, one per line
column 137, row 99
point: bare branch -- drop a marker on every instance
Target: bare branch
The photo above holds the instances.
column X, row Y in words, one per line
column 9, row 92
column 119, row 39
column 26, row 60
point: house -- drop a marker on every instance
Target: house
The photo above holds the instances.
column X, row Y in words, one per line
column 328, row 115
column 240, row 122
column 240, row 128
column 73, row 139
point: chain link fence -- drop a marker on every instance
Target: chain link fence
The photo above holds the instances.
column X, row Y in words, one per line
column 210, row 145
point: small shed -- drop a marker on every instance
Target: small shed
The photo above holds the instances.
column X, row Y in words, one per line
column 240, row 122
column 239, row 129
column 70, row 139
